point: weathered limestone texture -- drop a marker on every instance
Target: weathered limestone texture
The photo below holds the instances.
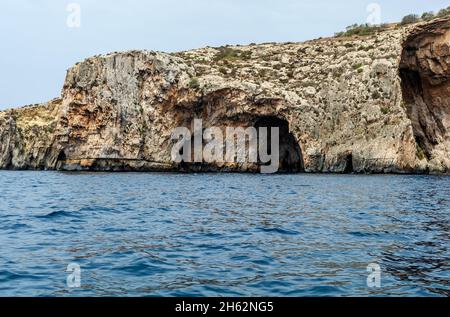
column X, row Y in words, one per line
column 373, row 104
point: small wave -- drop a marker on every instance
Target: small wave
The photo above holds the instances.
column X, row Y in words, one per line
column 16, row 226
column 279, row 231
column 57, row 214
column 144, row 268
column 262, row 262
column 95, row 209
column 240, row 258
column 8, row 276
column 324, row 290
column 364, row 234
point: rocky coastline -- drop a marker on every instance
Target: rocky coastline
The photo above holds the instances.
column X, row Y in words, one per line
column 363, row 104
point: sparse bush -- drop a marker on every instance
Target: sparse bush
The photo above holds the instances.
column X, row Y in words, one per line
column 384, row 110
column 262, row 72
column 367, row 29
column 420, row 153
column 410, row 18
column 376, row 95
column 194, row 83
column 357, row 66
column 277, row 66
column 427, row 16
column 366, row 48
column 231, row 55
column 444, row 12
column 361, row 30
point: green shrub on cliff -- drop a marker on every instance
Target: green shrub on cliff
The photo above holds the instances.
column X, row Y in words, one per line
column 427, row 16
column 358, row 66
column 231, row 55
column 384, row 110
column 223, row 70
column 361, row 30
column 367, row 29
column 194, row 83
column 420, row 153
column 410, row 18
column 444, row 12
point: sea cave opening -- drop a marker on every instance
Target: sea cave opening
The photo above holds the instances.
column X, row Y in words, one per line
column 291, row 158
column 349, row 164
column 62, row 156
column 61, row 159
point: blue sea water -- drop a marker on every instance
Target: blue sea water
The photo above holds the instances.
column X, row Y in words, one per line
column 223, row 235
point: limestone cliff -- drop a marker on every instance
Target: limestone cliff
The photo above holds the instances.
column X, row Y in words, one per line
column 379, row 103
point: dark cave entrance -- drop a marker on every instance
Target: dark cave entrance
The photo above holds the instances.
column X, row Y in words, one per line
column 291, row 158
column 61, row 159
column 349, row 164
column 411, row 85
column 62, row 156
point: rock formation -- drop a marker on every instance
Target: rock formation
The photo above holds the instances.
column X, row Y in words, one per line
column 372, row 104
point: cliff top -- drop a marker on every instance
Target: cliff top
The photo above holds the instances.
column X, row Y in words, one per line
column 282, row 64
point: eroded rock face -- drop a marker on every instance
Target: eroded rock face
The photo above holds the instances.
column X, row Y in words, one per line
column 375, row 104
column 28, row 135
column 425, row 73
column 118, row 111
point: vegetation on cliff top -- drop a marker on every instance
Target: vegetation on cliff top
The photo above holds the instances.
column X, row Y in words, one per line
column 368, row 29
column 362, row 30
column 230, row 54
column 427, row 16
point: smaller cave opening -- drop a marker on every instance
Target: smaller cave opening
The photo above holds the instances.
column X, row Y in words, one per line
column 61, row 157
column 411, row 85
column 290, row 154
column 349, row 164
column 61, row 160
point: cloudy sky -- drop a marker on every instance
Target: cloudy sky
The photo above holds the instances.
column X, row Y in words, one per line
column 38, row 44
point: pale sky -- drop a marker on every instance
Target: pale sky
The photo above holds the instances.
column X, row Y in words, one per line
column 37, row 46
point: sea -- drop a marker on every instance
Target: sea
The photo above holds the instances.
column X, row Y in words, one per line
column 152, row 234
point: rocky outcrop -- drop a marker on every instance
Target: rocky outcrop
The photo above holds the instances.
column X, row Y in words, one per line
column 425, row 74
column 28, row 135
column 376, row 104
